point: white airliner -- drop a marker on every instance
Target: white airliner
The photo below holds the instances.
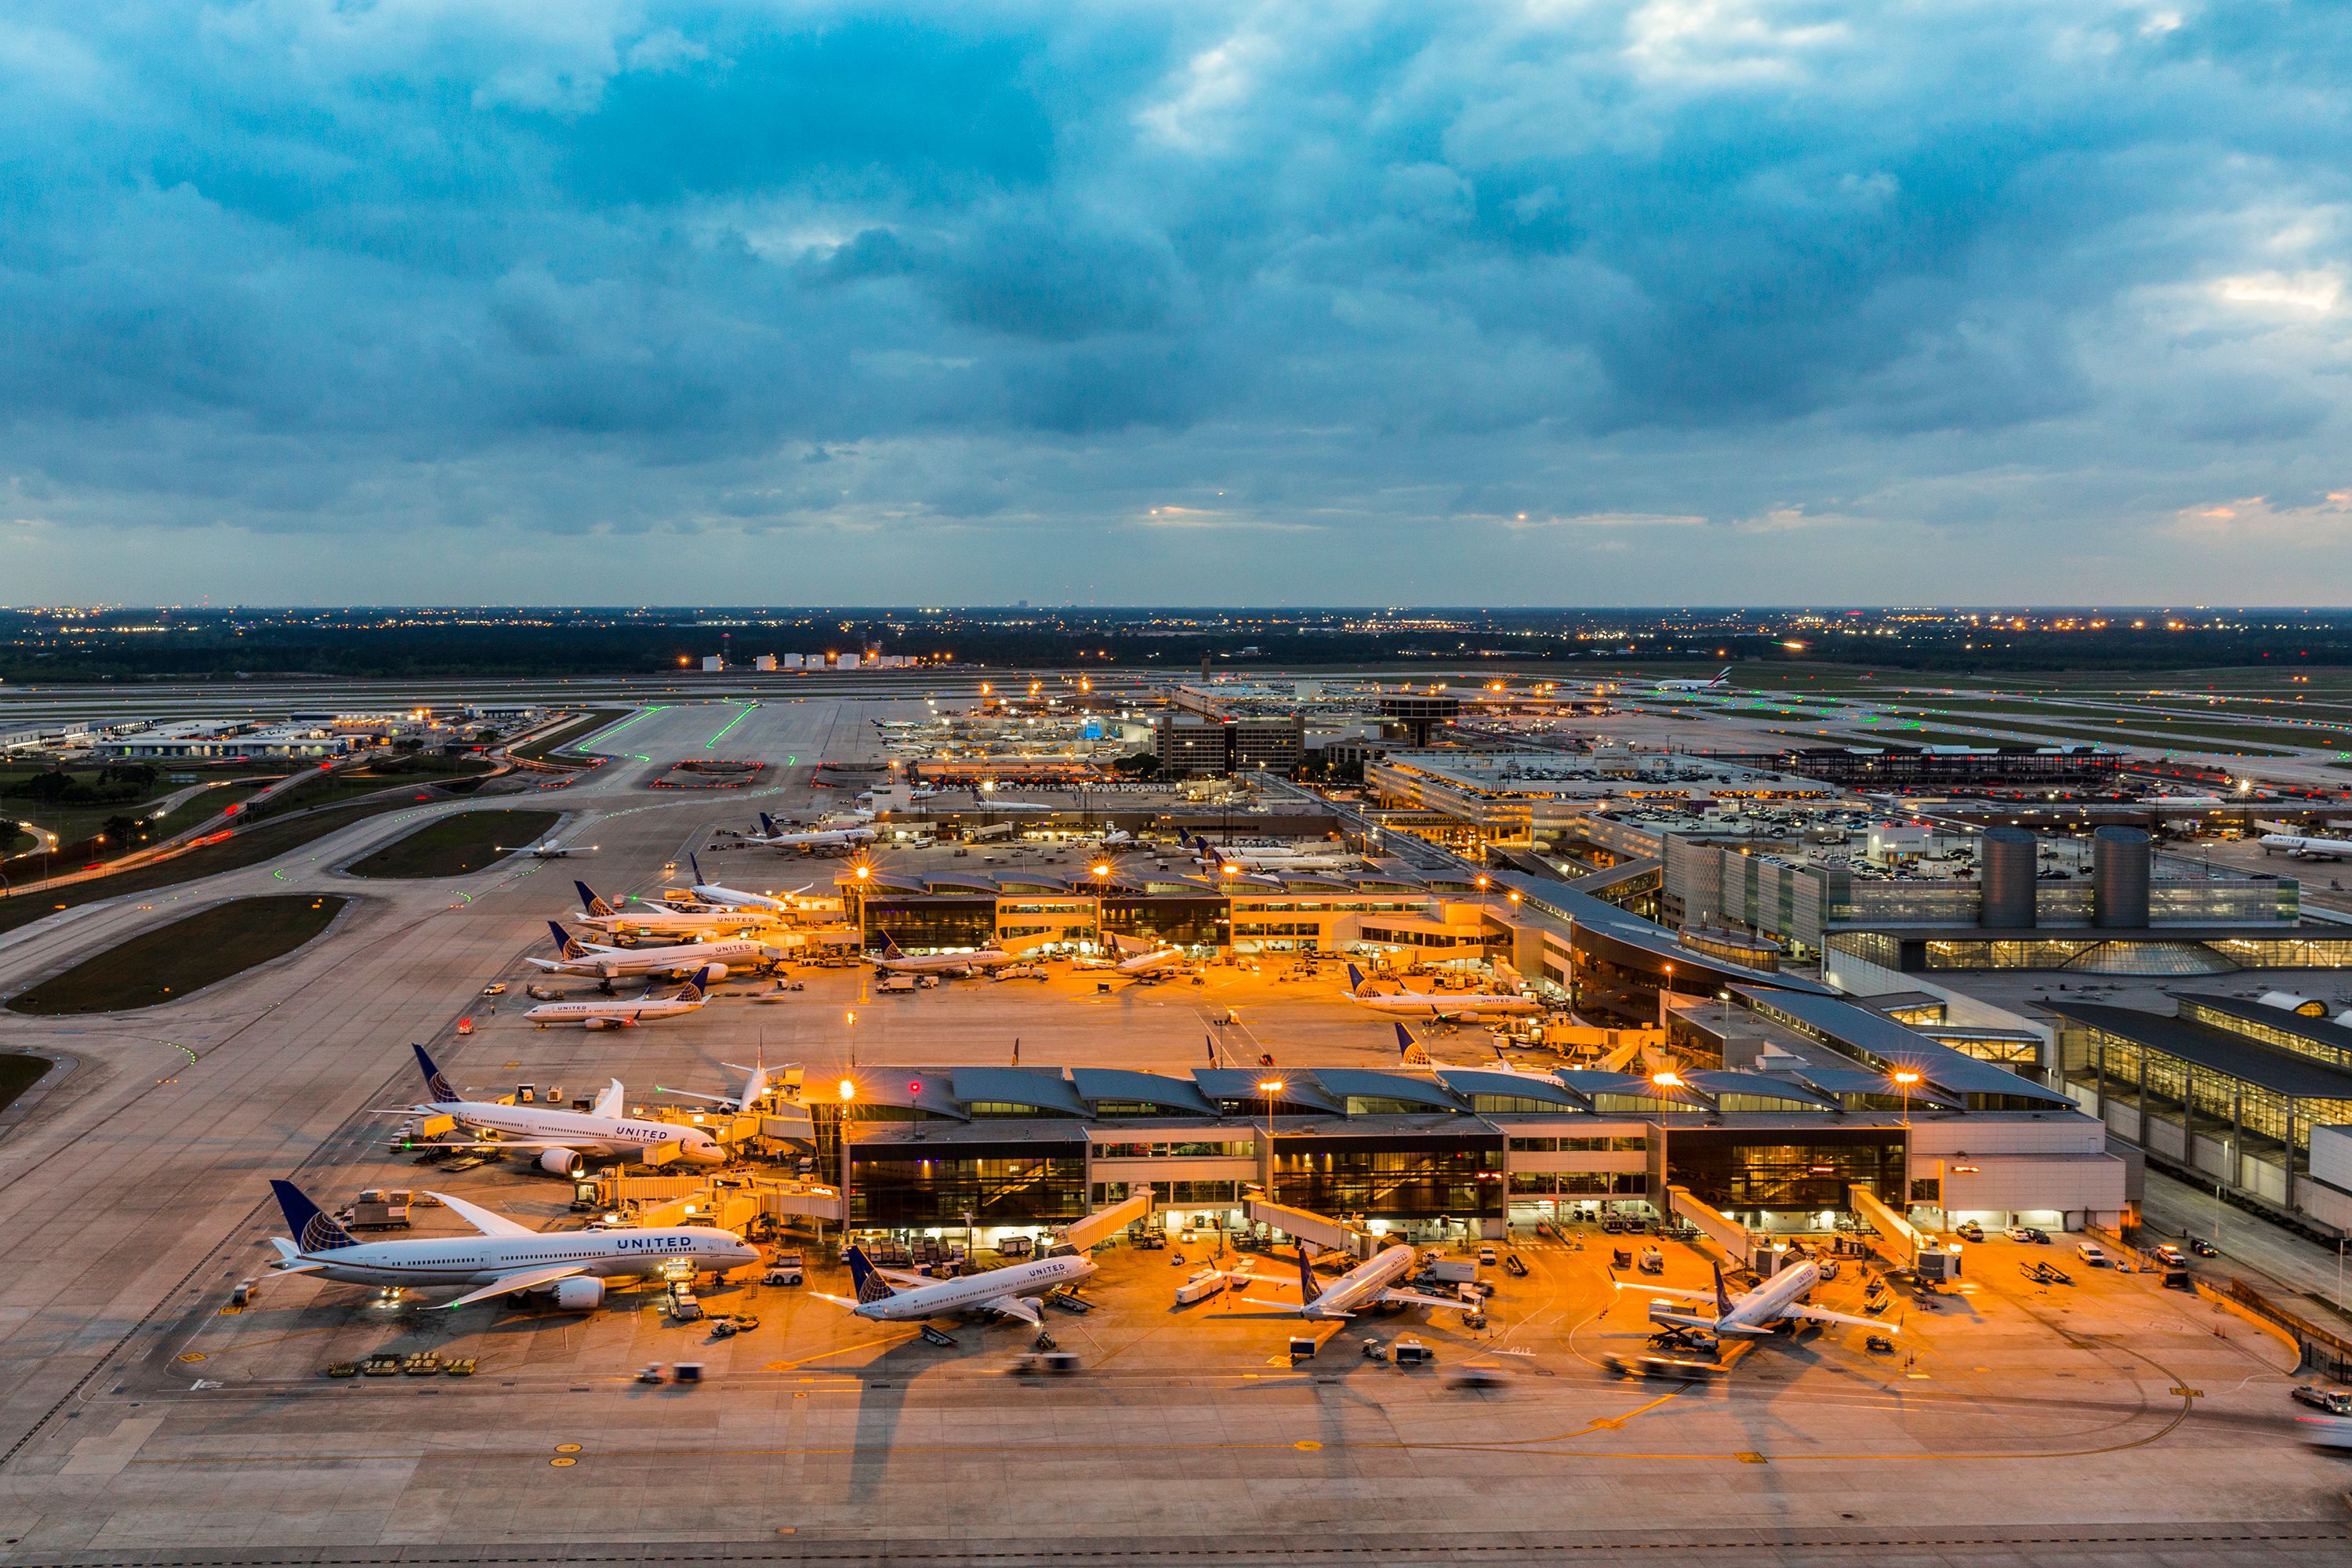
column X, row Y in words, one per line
column 678, row 961
column 957, row 965
column 701, row 925
column 1721, row 682
column 572, row 1266
column 808, row 840
column 545, row 849
column 711, row 893
column 1754, row 1314
column 1470, row 1004
column 756, row 1088
column 2297, row 847
column 687, row 998
column 1140, row 960
column 566, row 1139
column 1371, row 1283
column 887, row 1296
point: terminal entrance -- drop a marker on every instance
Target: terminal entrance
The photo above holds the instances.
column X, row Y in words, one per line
column 1775, row 1175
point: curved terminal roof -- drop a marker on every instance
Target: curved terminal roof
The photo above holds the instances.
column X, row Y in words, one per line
column 1178, row 1096
column 1366, row 1083
column 1037, row 1089
column 1472, row 1082
column 1881, row 1042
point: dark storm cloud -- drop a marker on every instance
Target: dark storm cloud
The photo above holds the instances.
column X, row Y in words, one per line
column 1823, row 277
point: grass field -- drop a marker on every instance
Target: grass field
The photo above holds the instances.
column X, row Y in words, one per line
column 454, row 846
column 265, row 842
column 173, row 960
column 18, row 1074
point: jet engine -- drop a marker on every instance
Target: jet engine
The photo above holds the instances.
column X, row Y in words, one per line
column 563, row 1162
column 611, row 1023
column 718, row 972
column 579, row 1295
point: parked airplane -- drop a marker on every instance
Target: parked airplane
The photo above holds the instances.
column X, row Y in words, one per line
column 1719, row 683
column 566, row 1139
column 958, row 965
column 2299, row 847
column 1140, row 960
column 1449, row 1007
column 609, row 963
column 702, row 925
column 687, row 998
column 1371, row 1283
column 889, row 1296
column 1754, row 1314
column 808, row 840
column 1273, row 857
column 757, row 1087
column 503, row 1256
column 545, row 849
column 708, row 892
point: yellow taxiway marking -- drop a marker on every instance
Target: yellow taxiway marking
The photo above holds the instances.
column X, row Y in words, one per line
column 845, row 1349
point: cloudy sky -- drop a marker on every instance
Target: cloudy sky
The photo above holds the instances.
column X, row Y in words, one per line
column 1586, row 302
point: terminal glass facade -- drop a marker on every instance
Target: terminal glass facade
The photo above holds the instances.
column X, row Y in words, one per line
column 1390, row 1178
column 1735, row 1169
column 918, row 924
column 893, row 1186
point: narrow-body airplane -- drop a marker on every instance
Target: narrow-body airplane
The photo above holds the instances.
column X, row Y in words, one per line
column 701, row 925
column 545, row 849
column 1754, row 1313
column 2298, row 847
column 1462, row 1005
column 1371, row 1283
column 889, row 1296
column 958, row 965
column 567, row 1140
column 705, row 891
column 616, row 1015
column 809, row 840
column 500, row 1257
column 677, row 961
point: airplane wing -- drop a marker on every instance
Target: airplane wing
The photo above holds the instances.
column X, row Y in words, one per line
column 521, row 1280
column 609, row 1103
column 482, row 1219
column 1823, row 1315
column 1415, row 1298
column 1282, row 1305
column 1016, row 1307
column 1706, row 1296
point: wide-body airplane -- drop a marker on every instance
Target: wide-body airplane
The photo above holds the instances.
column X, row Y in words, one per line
column 679, row 961
column 889, row 1296
column 1469, row 1005
column 1755, row 1313
column 1371, row 1283
column 2296, row 846
column 615, row 1015
column 502, row 1256
column 1718, row 683
column 567, row 1140
column 702, row 925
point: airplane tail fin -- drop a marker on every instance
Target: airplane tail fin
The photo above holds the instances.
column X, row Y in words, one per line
column 694, row 860
column 1355, row 978
column 1410, row 1049
column 865, row 1282
column 1305, row 1277
column 692, row 990
column 767, row 825
column 612, row 1102
column 1722, row 1296
column 566, row 944
column 314, row 1230
column 436, row 1087
column 590, row 904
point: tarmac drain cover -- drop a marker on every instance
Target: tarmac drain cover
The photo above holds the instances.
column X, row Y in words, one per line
column 561, row 1460
column 567, row 1447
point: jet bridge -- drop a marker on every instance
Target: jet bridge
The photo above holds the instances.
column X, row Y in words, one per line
column 1736, row 1239
column 1103, row 1223
column 1307, row 1225
column 1925, row 1255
